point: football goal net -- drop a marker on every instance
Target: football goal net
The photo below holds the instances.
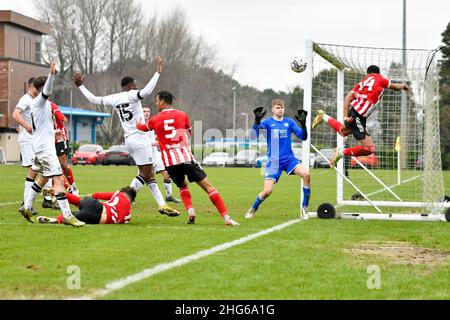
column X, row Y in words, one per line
column 403, row 179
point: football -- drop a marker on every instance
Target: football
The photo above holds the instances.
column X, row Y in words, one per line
column 298, row 66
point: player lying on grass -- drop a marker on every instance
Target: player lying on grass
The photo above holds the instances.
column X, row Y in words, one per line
column 358, row 105
column 172, row 129
column 116, row 210
column 277, row 131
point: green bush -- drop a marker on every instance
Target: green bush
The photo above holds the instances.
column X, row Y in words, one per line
column 445, row 160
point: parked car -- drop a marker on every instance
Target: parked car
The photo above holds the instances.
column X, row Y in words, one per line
column 370, row 161
column 261, row 161
column 312, row 159
column 118, row 154
column 320, row 162
column 218, row 159
column 245, row 158
column 89, row 154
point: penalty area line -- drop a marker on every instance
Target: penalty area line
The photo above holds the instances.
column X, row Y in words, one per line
column 147, row 273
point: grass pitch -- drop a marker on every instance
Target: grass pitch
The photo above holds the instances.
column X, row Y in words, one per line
column 316, row 259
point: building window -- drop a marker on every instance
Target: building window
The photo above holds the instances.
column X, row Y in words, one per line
column 24, row 48
column 29, row 49
column 18, row 48
column 38, row 52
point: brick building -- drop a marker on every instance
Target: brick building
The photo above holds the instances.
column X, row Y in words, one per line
column 20, row 59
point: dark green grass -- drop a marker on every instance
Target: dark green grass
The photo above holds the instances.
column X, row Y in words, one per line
column 304, row 261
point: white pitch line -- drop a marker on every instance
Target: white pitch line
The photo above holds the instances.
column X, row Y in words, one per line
column 147, row 273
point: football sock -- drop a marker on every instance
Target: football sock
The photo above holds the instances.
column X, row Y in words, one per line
column 336, row 125
column 69, row 176
column 306, row 195
column 60, row 218
column 64, row 204
column 216, row 199
column 32, row 193
column 48, row 185
column 168, row 187
column 137, row 183
column 358, row 151
column 156, row 193
column 28, row 183
column 73, row 199
column 185, row 195
column 257, row 202
column 191, row 212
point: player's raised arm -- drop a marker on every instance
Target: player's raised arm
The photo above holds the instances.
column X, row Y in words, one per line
column 78, row 79
column 48, row 88
column 148, row 89
column 259, row 113
column 301, row 133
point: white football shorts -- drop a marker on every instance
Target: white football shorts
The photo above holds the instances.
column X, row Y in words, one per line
column 27, row 153
column 139, row 147
column 47, row 163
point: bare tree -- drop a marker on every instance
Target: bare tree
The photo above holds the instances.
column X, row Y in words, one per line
column 91, row 18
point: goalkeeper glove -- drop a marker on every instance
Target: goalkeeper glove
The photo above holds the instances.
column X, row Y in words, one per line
column 301, row 117
column 259, row 114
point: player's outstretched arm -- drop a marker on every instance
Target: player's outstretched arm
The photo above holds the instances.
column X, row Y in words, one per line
column 148, row 89
column 78, row 79
column 398, row 86
column 103, row 195
column 142, row 126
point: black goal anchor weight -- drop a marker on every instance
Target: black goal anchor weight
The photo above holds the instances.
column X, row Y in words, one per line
column 326, row 211
column 447, row 214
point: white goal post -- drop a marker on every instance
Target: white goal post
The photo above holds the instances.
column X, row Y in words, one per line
column 403, row 180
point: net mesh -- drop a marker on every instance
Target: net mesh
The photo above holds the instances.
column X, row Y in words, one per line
column 413, row 172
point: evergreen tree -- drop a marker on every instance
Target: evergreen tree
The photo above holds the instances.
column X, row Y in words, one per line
column 445, row 99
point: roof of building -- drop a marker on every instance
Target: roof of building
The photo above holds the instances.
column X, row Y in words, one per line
column 82, row 112
column 8, row 16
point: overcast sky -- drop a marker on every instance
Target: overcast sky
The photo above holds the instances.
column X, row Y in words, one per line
column 261, row 37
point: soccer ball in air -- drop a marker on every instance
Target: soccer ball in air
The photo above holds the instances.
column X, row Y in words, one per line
column 298, row 66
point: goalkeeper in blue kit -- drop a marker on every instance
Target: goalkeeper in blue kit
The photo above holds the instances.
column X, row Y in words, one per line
column 277, row 131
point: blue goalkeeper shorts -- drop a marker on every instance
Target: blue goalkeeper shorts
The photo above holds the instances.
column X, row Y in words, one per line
column 275, row 168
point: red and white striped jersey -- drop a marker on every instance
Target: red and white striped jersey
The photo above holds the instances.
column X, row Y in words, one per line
column 368, row 93
column 118, row 207
column 172, row 128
